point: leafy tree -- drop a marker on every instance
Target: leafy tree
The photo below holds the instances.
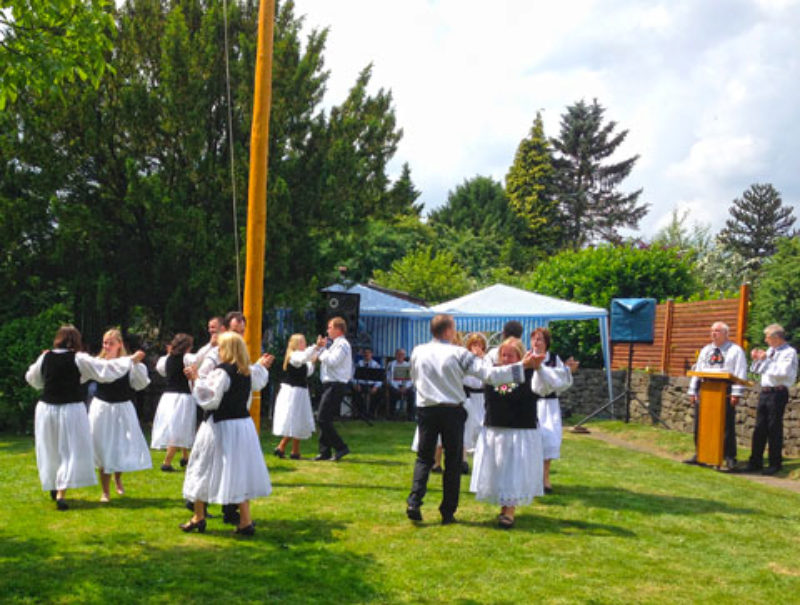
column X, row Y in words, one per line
column 594, row 276
column 592, row 206
column 530, row 189
column 45, row 44
column 776, row 298
column 685, row 238
column 433, row 277
column 758, row 220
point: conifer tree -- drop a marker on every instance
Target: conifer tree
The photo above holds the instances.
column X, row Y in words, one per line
column 758, row 219
column 591, row 204
column 529, row 187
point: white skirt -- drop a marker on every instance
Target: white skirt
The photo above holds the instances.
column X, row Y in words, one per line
column 226, row 465
column 549, row 413
column 119, row 445
column 508, row 466
column 64, row 453
column 475, row 414
column 175, row 421
column 293, row 416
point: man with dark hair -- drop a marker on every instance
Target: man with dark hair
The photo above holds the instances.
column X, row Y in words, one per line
column 511, row 329
column 235, row 321
column 778, row 368
column 367, row 393
column 438, row 369
column 336, row 369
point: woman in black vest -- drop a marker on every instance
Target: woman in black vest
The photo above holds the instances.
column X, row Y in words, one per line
column 508, row 455
column 64, row 453
column 175, row 421
column 293, row 418
column 119, row 445
column 234, row 471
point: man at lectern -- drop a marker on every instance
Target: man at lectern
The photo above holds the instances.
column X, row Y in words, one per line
column 778, row 368
column 721, row 355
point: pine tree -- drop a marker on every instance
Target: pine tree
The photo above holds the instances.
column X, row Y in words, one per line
column 402, row 197
column 529, row 186
column 587, row 187
column 758, row 220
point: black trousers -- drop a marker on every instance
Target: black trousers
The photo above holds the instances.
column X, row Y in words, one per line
column 447, row 421
column 329, row 404
column 769, row 427
column 729, row 444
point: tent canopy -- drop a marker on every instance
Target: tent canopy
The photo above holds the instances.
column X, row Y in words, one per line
column 504, row 300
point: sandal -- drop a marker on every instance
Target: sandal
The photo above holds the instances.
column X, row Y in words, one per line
column 505, row 522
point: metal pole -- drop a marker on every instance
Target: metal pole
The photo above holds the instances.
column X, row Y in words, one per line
column 257, row 192
column 628, row 384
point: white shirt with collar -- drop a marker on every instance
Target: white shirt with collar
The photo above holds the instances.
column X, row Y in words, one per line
column 438, row 369
column 778, row 368
column 336, row 362
column 734, row 361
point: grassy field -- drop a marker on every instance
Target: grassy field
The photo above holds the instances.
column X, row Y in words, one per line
column 622, row 526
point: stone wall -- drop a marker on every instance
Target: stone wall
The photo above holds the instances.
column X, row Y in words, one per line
column 666, row 397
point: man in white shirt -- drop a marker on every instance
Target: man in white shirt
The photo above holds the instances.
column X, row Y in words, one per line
column 215, row 327
column 367, row 393
column 398, row 377
column 725, row 356
column 778, row 368
column 438, row 369
column 336, row 369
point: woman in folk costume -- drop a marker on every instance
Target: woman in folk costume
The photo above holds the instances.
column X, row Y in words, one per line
column 473, row 388
column 559, row 377
column 119, row 445
column 508, row 455
column 293, row 419
column 175, row 421
column 64, row 453
column 233, row 472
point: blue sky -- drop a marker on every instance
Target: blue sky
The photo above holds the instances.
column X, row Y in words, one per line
column 707, row 88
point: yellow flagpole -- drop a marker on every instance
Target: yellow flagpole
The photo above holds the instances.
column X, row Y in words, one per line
column 257, row 192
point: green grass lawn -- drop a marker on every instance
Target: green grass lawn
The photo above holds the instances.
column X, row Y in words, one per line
column 622, row 526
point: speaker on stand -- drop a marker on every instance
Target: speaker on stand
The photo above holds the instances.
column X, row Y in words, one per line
column 344, row 305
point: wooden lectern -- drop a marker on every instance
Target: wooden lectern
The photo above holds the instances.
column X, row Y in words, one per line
column 713, row 395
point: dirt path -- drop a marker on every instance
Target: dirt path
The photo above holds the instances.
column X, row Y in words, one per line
column 646, row 448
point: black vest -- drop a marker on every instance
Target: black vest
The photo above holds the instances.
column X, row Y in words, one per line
column 118, row 391
column 176, row 379
column 515, row 409
column 296, row 377
column 234, row 401
column 62, row 379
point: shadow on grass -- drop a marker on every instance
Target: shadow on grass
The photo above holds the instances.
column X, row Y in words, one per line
column 617, row 498
column 537, row 524
column 393, row 488
column 17, row 445
column 297, row 561
column 129, row 502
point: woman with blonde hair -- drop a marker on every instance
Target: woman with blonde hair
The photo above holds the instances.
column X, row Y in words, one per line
column 293, row 418
column 233, row 471
column 119, row 445
column 64, row 452
column 175, row 421
column 508, row 456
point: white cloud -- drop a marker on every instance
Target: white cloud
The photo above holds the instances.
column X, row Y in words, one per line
column 707, row 89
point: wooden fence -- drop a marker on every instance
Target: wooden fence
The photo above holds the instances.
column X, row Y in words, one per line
column 681, row 330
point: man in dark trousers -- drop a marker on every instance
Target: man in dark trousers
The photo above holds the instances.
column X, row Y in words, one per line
column 438, row 369
column 336, row 368
column 778, row 368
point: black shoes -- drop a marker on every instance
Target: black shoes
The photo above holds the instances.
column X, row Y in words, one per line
column 437, row 469
column 692, row 460
column 341, row 453
column 548, row 490
column 413, row 513
column 184, row 462
column 200, row 526
column 464, row 467
column 752, row 468
column 505, row 522
column 294, row 456
column 167, row 468
column 61, row 505
column 449, row 520
column 323, row 456
column 771, row 470
column 279, row 453
column 247, row 530
column 230, row 514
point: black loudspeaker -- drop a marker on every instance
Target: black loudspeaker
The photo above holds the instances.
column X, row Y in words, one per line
column 633, row 320
column 344, row 305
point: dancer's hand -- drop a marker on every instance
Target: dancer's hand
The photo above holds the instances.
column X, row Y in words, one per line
column 572, row 364
column 138, row 356
column 532, row 361
column 190, row 372
column 267, row 360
